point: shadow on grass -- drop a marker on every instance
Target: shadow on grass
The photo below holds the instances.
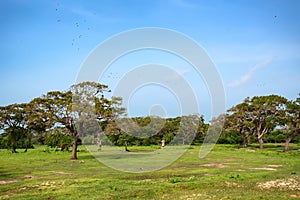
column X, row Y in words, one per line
column 86, row 157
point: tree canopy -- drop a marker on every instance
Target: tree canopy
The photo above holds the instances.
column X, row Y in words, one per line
column 84, row 112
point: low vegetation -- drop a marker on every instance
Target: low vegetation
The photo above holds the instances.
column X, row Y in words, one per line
column 228, row 172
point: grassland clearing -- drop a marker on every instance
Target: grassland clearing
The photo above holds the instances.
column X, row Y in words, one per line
column 228, row 172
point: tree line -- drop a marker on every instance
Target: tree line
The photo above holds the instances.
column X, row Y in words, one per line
column 258, row 117
column 84, row 113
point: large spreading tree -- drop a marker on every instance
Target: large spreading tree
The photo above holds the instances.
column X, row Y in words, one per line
column 74, row 109
column 259, row 115
column 267, row 113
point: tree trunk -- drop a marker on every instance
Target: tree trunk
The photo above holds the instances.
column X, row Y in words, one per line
column 14, row 150
column 250, row 140
column 74, row 148
column 260, row 135
column 125, row 144
column 244, row 141
column 287, row 142
column 261, row 143
column 243, row 136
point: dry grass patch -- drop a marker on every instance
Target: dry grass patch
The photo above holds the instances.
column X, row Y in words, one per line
column 283, row 184
column 214, row 165
column 194, row 196
column 232, row 184
column 264, row 168
column 295, row 195
column 275, row 166
column 61, row 173
column 3, row 182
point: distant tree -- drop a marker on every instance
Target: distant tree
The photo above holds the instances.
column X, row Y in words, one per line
column 58, row 138
column 292, row 120
column 215, row 128
column 267, row 112
column 14, row 122
column 189, row 126
column 170, row 129
column 239, row 119
column 40, row 118
column 202, row 129
column 108, row 110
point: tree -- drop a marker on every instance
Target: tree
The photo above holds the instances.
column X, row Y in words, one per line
column 170, row 129
column 108, row 110
column 79, row 108
column 14, row 122
column 72, row 109
column 213, row 133
column 189, row 126
column 293, row 120
column 267, row 112
column 60, row 113
column 57, row 138
column 40, row 118
column 239, row 119
column 87, row 101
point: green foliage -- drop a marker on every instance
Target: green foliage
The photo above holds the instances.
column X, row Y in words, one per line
column 15, row 139
column 88, row 140
column 84, row 112
column 230, row 137
column 175, row 179
column 3, row 142
column 168, row 137
column 57, row 139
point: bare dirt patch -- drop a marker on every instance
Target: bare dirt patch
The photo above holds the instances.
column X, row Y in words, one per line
column 265, row 168
column 194, row 196
column 295, row 195
column 61, row 173
column 283, row 184
column 43, row 186
column 3, row 182
column 275, row 166
column 214, row 165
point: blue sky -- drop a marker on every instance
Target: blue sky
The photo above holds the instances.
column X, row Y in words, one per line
column 255, row 46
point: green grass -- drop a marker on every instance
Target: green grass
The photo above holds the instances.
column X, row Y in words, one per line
column 228, row 172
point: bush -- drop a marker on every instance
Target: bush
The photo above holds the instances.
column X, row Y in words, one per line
column 16, row 138
column 88, row 140
column 58, row 139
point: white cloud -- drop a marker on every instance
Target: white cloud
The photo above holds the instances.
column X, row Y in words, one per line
column 250, row 73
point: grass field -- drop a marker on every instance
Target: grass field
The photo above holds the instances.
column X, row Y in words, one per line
column 227, row 172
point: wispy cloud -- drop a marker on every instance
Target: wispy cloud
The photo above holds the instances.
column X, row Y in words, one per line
column 177, row 75
column 250, row 73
